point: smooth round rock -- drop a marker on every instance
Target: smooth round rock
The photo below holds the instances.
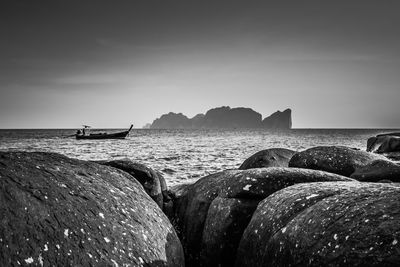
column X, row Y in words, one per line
column 335, row 159
column 65, row 212
column 152, row 181
column 377, row 171
column 384, row 144
column 272, row 157
column 325, row 224
column 215, row 211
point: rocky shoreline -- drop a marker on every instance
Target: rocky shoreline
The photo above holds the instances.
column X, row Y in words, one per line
column 327, row 205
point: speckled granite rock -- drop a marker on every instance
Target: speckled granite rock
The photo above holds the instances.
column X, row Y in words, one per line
column 153, row 182
column 65, row 212
column 216, row 209
column 325, row 224
column 377, row 171
column 272, row 157
column 335, row 159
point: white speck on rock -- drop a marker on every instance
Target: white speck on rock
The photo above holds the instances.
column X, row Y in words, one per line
column 107, row 239
column 29, row 260
column 394, row 242
column 40, row 259
column 311, row 196
column 46, row 248
column 284, row 230
column 66, row 233
column 101, row 215
column 335, row 236
column 115, row 263
column 247, row 187
column 58, row 246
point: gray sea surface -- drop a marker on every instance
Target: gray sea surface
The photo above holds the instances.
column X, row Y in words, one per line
column 182, row 155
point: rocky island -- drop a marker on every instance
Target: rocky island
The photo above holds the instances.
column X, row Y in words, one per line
column 225, row 118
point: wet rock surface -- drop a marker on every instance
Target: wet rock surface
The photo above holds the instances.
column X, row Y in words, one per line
column 335, row 159
column 152, row 181
column 214, row 212
column 377, row 171
column 325, row 224
column 65, row 212
column 273, row 157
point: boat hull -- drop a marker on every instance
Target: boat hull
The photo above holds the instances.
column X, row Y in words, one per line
column 119, row 135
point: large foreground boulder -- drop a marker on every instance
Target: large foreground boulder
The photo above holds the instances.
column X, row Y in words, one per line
column 325, row 224
column 215, row 210
column 335, row 159
column 272, row 157
column 65, row 212
column 153, row 182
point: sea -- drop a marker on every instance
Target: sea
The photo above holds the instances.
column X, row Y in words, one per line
column 182, row 156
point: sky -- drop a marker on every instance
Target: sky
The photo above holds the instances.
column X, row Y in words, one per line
column 108, row 64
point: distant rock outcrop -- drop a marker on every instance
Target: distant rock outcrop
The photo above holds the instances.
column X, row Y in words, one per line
column 146, row 126
column 172, row 121
column 225, row 117
column 279, row 120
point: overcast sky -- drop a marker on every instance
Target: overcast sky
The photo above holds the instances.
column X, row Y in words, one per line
column 112, row 63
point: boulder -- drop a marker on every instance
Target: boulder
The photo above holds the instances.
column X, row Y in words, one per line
column 378, row 170
column 65, row 212
column 153, row 182
column 335, row 159
column 325, row 224
column 384, row 144
column 272, row 157
column 214, row 212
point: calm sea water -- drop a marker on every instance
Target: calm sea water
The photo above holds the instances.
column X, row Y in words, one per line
column 182, row 155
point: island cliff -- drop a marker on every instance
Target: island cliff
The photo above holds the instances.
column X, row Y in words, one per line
column 225, row 117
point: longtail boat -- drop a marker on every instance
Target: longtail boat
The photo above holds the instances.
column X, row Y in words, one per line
column 118, row 135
